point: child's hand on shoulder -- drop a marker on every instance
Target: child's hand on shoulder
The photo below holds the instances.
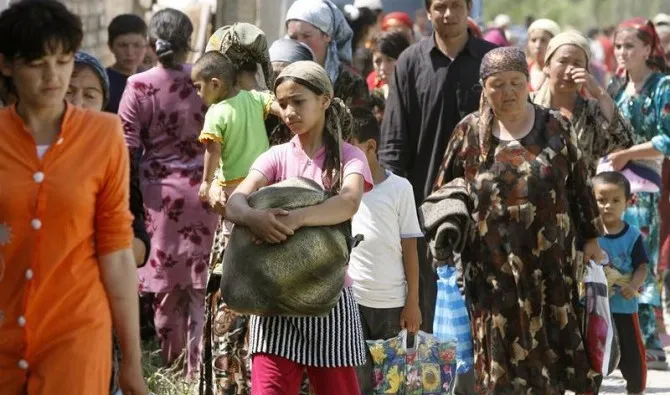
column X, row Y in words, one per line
column 410, row 317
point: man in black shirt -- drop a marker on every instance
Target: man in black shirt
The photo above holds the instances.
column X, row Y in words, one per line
column 435, row 85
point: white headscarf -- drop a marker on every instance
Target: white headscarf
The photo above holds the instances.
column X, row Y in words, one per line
column 326, row 17
column 543, row 94
column 547, row 25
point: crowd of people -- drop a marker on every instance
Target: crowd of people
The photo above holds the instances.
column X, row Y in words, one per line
column 121, row 188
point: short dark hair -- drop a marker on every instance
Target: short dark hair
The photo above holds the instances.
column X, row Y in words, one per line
column 174, row 28
column 214, row 64
column 430, row 2
column 31, row 29
column 365, row 126
column 125, row 24
column 613, row 178
column 391, row 44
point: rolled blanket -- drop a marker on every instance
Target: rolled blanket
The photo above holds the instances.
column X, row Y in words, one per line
column 446, row 220
column 302, row 276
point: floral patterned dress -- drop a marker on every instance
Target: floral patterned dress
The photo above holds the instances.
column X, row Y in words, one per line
column 522, row 269
column 162, row 117
column 649, row 113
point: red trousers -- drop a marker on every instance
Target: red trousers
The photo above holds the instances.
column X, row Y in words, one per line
column 273, row 375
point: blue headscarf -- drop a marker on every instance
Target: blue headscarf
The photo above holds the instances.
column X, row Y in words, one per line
column 326, row 17
column 82, row 58
column 290, row 51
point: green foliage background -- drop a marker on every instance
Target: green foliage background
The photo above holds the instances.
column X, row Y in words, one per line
column 580, row 14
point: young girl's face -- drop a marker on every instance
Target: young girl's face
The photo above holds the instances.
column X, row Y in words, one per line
column 301, row 109
column 538, row 40
column 384, row 65
column 631, row 53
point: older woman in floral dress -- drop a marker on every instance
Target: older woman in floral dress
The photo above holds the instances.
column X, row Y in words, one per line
column 523, row 169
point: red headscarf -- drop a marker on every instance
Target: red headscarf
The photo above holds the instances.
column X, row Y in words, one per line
column 395, row 18
column 473, row 26
column 649, row 35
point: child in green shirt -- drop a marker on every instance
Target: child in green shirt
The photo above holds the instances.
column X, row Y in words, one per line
column 234, row 129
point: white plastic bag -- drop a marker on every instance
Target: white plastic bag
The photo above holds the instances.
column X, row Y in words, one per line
column 599, row 334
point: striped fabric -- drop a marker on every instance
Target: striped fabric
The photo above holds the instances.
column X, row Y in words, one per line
column 335, row 340
column 452, row 322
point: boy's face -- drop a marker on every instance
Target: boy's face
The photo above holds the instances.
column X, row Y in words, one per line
column 612, row 202
column 369, row 147
column 129, row 50
column 209, row 91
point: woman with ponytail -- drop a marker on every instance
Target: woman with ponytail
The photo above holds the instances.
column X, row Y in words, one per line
column 283, row 347
column 642, row 94
column 162, row 117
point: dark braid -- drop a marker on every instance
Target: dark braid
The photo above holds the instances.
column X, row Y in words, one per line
column 339, row 117
column 280, row 134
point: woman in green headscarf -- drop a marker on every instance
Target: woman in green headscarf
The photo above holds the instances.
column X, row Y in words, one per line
column 225, row 363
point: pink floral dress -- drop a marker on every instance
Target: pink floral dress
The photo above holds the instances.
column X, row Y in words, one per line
column 162, row 117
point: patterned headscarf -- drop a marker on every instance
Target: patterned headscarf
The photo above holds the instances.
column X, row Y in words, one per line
column 503, row 59
column 498, row 60
column 543, row 94
column 289, row 51
column 82, row 58
column 326, row 17
column 338, row 117
column 243, row 43
column 646, row 28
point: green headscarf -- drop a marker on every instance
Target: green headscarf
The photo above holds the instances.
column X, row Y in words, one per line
column 243, row 43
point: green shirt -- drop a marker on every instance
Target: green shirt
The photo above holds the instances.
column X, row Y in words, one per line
column 238, row 125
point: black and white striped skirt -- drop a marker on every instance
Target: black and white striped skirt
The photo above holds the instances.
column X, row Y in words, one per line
column 335, row 340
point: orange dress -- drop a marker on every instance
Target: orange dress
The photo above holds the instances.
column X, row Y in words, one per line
column 58, row 214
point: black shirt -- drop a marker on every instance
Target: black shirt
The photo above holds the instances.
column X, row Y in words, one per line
column 430, row 93
column 117, row 84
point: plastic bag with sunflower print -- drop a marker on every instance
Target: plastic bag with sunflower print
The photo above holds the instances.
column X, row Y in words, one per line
column 427, row 368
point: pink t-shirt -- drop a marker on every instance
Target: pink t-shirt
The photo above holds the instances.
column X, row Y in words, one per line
column 288, row 160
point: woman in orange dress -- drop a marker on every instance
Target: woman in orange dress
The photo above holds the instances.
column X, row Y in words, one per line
column 66, row 267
